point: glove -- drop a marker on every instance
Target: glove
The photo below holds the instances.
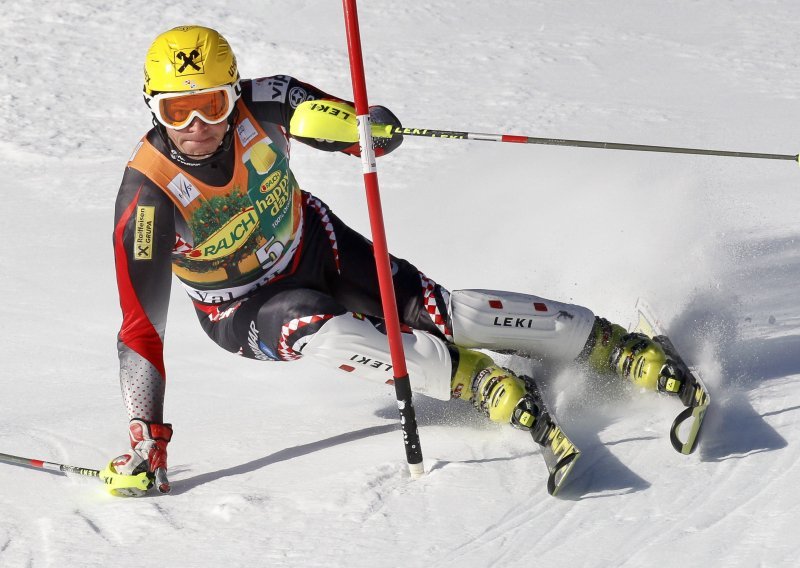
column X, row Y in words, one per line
column 132, row 474
column 382, row 146
column 382, row 115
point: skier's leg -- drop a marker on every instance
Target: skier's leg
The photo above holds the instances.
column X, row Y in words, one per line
column 557, row 332
column 284, row 323
column 542, row 328
column 470, row 318
column 357, row 344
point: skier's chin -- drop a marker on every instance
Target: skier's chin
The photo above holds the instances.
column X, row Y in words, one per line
column 199, row 139
column 199, row 148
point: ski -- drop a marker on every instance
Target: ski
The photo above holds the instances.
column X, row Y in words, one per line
column 693, row 392
column 558, row 451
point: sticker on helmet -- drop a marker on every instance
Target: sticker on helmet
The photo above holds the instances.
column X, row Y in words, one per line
column 187, row 62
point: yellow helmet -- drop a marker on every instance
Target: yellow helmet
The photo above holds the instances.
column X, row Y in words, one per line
column 188, row 58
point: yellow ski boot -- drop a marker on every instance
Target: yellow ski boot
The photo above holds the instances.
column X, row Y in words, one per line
column 632, row 356
column 495, row 391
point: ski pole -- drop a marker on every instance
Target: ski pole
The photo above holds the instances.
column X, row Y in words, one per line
column 333, row 120
column 402, row 384
column 389, row 131
column 41, row 464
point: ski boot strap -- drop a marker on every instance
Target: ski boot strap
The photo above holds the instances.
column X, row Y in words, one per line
column 531, row 413
column 530, row 417
column 671, row 379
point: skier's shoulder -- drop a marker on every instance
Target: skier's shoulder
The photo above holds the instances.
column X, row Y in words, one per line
column 274, row 88
column 145, row 154
column 279, row 90
column 144, row 168
column 142, row 146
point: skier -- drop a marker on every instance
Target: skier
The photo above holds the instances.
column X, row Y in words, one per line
column 274, row 275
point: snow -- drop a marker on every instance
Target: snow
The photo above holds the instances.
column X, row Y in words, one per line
column 294, row 465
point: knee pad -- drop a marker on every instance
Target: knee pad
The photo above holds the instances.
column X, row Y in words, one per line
column 353, row 343
column 499, row 321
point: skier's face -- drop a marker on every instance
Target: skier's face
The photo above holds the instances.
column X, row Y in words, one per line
column 199, row 139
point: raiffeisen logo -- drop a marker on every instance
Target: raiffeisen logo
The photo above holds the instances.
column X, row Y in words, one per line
column 227, row 239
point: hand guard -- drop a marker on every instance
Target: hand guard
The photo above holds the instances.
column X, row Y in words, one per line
column 133, row 473
column 382, row 146
column 382, row 115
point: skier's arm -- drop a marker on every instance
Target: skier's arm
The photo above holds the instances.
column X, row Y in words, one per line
column 144, row 235
column 274, row 99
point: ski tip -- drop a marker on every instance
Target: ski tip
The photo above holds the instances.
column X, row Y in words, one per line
column 562, row 469
column 696, row 413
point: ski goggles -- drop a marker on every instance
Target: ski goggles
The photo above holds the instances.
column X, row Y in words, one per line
column 177, row 110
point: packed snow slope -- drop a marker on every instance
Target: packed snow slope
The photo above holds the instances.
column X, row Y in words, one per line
column 295, row 465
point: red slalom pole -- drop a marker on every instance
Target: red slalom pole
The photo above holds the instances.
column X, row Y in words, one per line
column 402, row 384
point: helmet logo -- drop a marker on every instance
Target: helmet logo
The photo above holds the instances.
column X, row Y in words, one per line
column 189, row 60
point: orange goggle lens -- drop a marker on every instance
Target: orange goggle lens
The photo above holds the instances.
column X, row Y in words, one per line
column 211, row 106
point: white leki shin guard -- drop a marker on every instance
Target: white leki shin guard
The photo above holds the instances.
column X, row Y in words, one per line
column 353, row 344
column 489, row 319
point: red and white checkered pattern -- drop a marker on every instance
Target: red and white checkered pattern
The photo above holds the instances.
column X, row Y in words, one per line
column 326, row 221
column 214, row 314
column 181, row 245
column 285, row 352
column 429, row 301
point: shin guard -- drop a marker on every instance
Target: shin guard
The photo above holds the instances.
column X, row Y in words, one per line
column 501, row 321
column 355, row 344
